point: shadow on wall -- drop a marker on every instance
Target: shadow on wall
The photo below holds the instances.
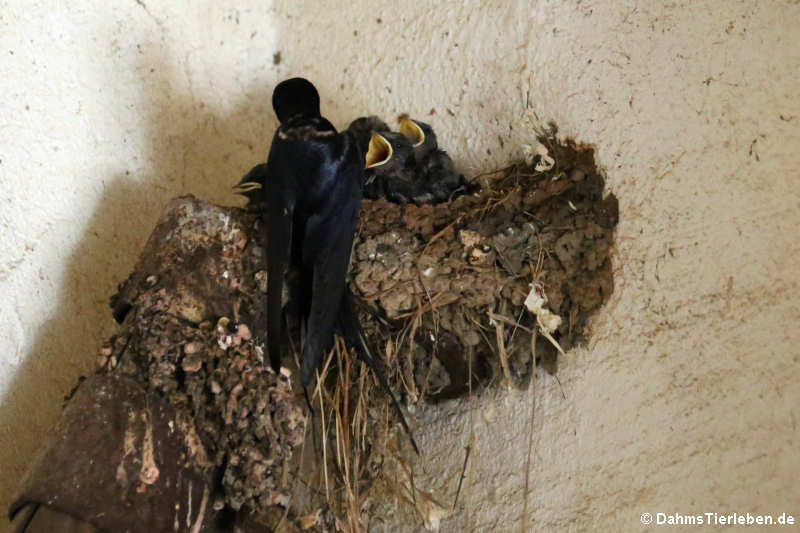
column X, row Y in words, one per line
column 192, row 146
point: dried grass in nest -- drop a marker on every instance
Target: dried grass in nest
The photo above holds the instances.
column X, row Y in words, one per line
column 446, row 295
column 444, row 289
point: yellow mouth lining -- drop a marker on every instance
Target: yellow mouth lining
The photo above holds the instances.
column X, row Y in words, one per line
column 412, row 131
column 379, row 151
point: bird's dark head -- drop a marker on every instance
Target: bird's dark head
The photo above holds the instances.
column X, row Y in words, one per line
column 295, row 96
column 362, row 128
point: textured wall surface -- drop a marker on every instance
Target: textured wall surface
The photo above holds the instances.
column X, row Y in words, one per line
column 686, row 398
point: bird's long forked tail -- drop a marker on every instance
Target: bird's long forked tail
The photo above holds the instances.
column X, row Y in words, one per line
column 354, row 338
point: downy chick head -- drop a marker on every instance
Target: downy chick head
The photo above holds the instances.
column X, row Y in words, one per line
column 362, row 129
column 389, row 154
column 419, row 134
column 295, row 96
column 252, row 186
column 391, row 169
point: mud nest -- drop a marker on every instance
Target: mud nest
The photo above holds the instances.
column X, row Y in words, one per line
column 462, row 271
column 185, row 312
column 442, row 293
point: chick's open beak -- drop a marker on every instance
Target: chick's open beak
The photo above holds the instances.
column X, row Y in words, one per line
column 245, row 187
column 411, row 130
column 379, row 151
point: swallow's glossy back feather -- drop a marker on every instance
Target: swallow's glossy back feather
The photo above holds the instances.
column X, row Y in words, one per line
column 313, row 195
column 312, row 189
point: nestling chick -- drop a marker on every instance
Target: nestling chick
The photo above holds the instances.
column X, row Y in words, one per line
column 406, row 166
column 442, row 181
column 253, row 187
column 420, row 135
column 386, row 149
column 392, row 171
column 363, row 128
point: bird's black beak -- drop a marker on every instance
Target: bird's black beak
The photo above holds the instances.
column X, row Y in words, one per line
column 245, row 187
column 379, row 151
column 411, row 130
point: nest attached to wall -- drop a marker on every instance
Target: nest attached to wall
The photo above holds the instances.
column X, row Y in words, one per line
column 450, row 296
column 442, row 289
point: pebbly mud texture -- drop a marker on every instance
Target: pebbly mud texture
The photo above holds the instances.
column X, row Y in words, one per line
column 188, row 312
column 452, row 279
column 449, row 295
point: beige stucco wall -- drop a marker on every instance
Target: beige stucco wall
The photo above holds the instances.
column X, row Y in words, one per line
column 685, row 400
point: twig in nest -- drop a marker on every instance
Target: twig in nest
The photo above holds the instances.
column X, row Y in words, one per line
column 318, row 390
column 324, row 445
column 349, row 470
column 463, row 474
column 407, row 336
column 495, row 174
column 433, row 306
column 471, row 444
column 530, row 434
column 517, row 326
column 321, row 376
column 501, row 347
column 438, row 300
column 511, row 322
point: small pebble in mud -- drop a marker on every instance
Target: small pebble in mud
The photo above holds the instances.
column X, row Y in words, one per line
column 192, row 347
column 481, row 255
column 469, row 238
column 445, row 266
column 244, row 332
column 577, row 174
column 105, row 353
column 229, row 402
column 192, row 364
column 261, row 279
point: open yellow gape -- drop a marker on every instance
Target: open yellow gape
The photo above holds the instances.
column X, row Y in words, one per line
column 411, row 130
column 379, row 151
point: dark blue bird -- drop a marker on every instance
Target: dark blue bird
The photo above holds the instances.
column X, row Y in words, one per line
column 311, row 186
column 313, row 198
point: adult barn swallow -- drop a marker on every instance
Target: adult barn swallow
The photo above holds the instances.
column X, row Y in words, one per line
column 311, row 187
column 312, row 181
